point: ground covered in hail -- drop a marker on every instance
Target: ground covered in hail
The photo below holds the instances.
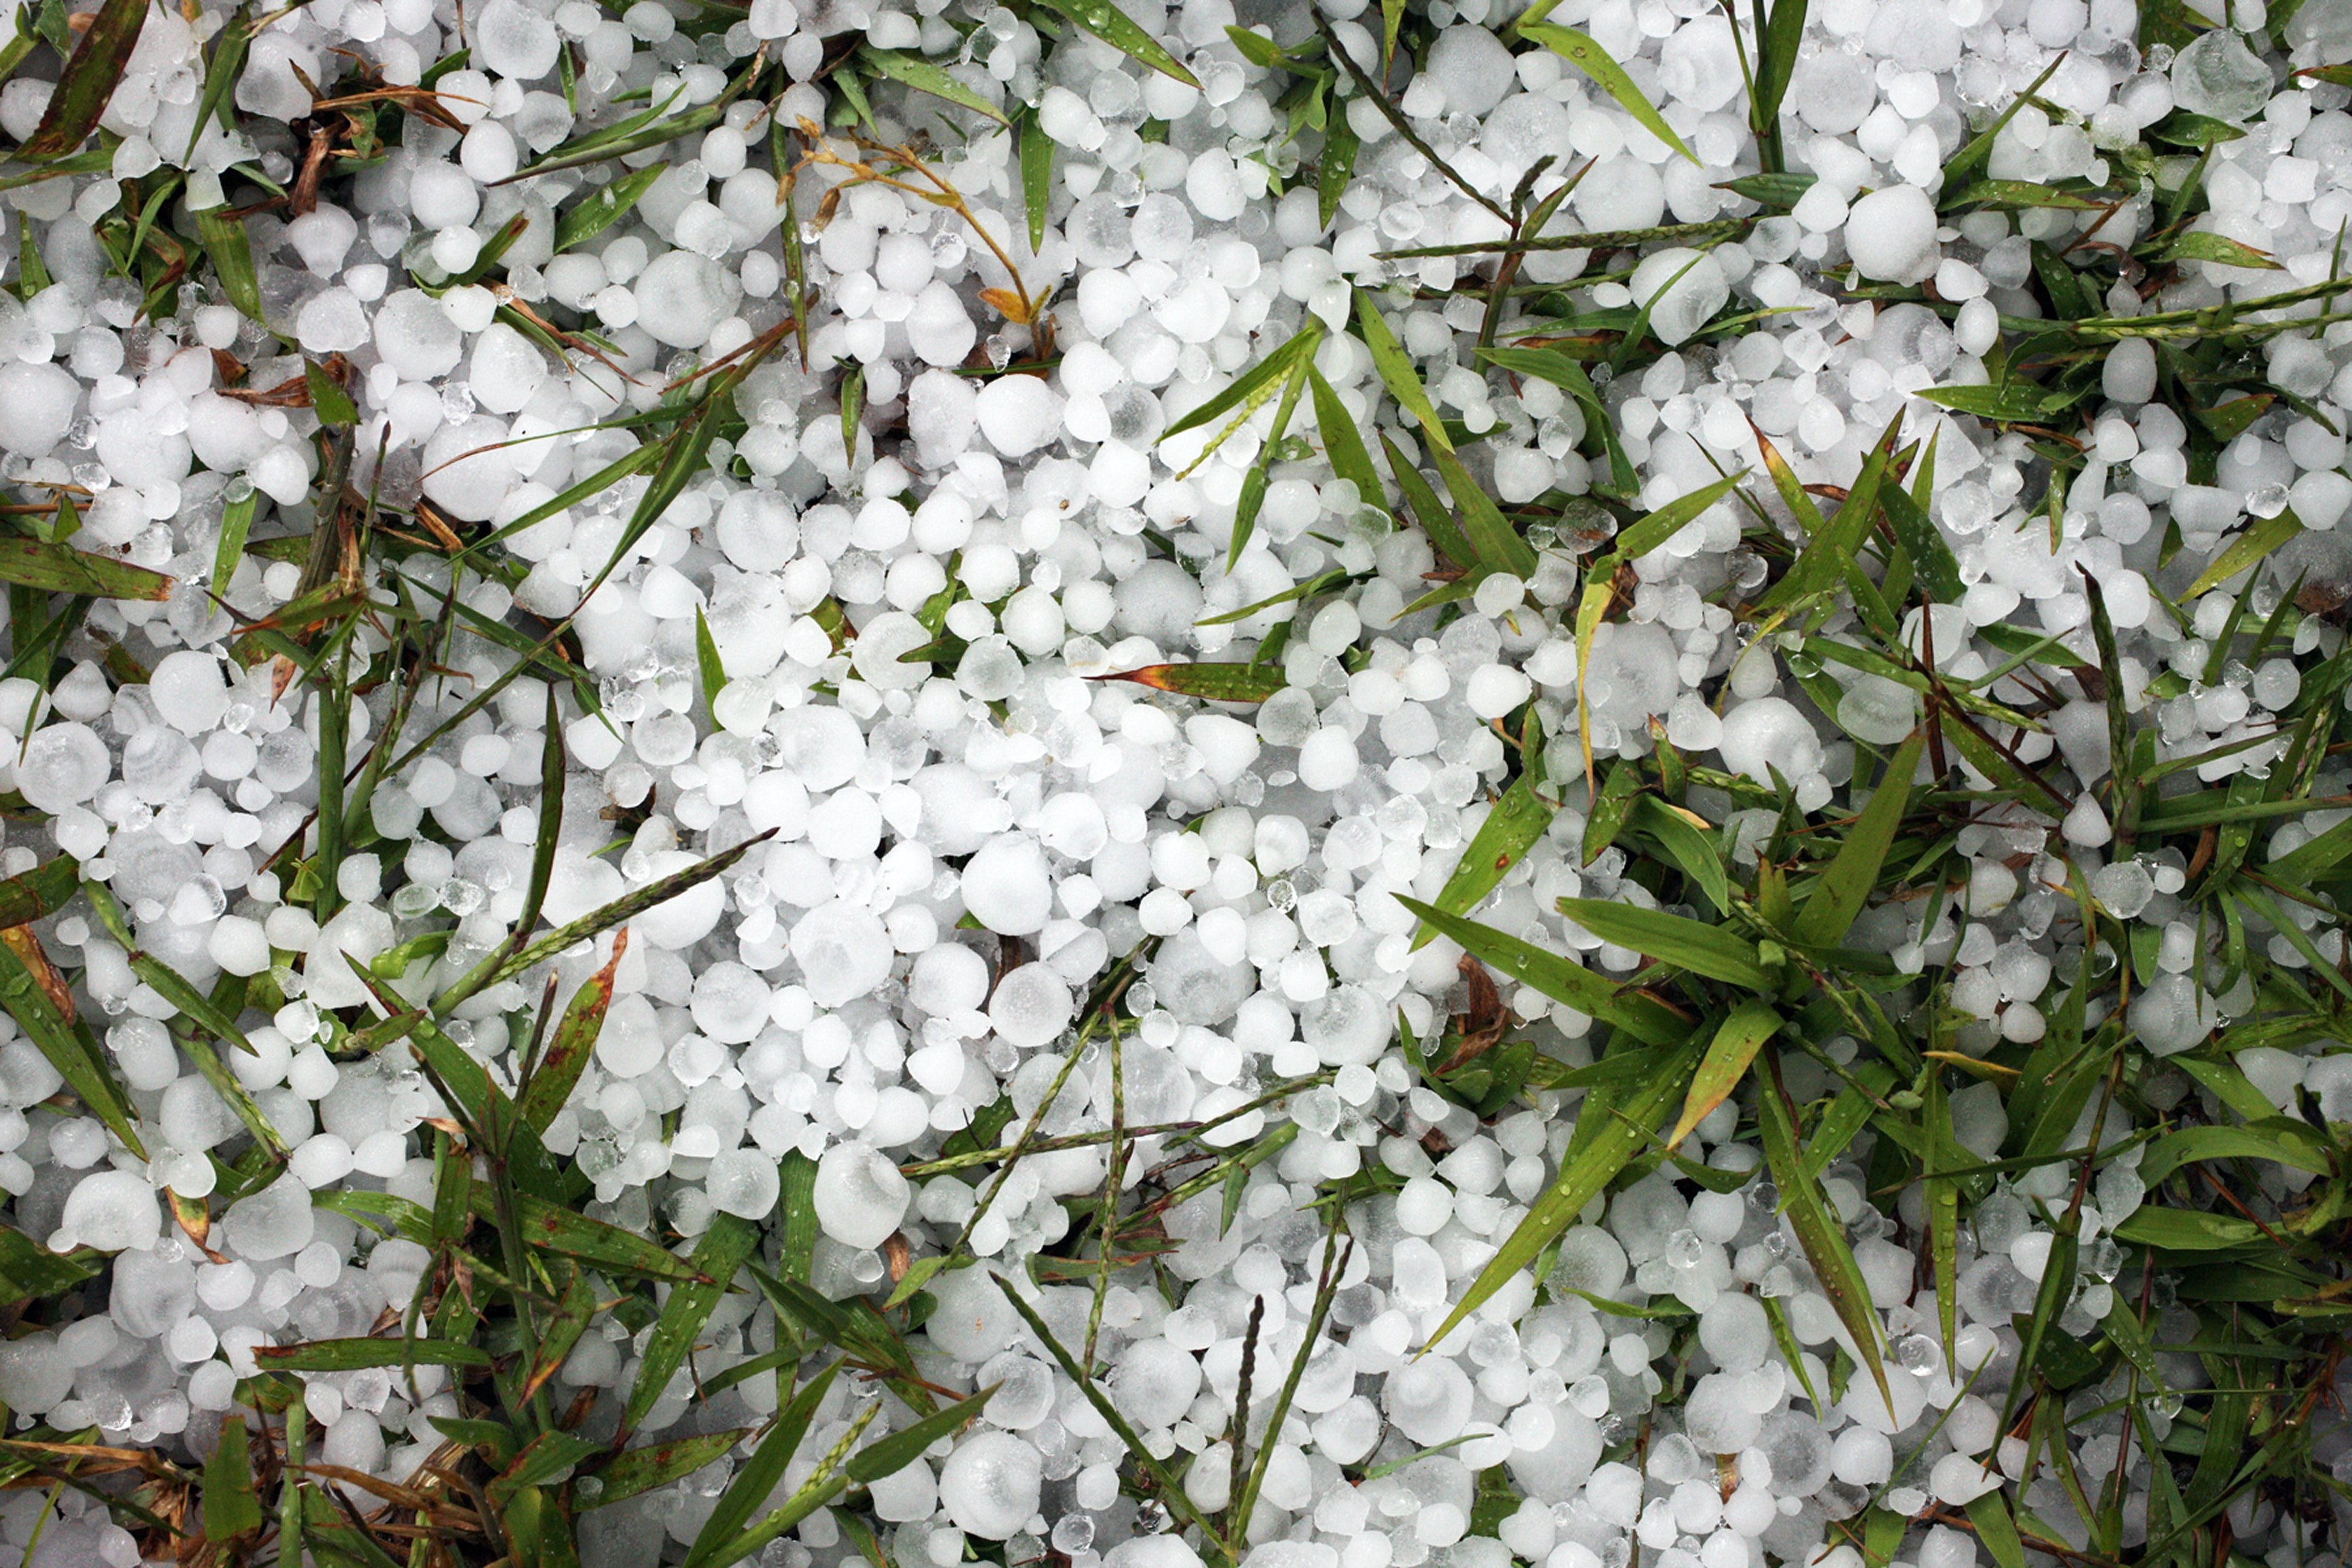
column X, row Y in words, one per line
column 1275, row 784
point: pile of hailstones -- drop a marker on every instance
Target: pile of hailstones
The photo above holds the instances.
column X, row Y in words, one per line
column 824, row 996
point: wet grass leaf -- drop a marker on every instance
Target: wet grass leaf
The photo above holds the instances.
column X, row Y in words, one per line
column 1622, row 1133
column 87, row 85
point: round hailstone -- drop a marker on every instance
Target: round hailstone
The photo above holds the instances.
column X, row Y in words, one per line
column 276, row 1222
column 112, row 1210
column 514, row 40
column 1429, row 1400
column 1470, row 67
column 1032, row 1006
column 842, row 950
column 1683, row 289
column 1008, row 886
column 989, row 1485
column 860, row 1197
column 416, row 337
column 468, row 468
column 684, row 919
column 1891, row 235
column 682, row 296
column 1019, row 413
column 62, row 766
column 743, row 1182
column 1768, row 732
column 37, row 407
column 1194, row 984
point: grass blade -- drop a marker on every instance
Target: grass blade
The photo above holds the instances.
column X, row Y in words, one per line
column 1251, row 389
column 1624, row 1131
column 923, row 75
column 1712, row 951
column 62, row 569
column 1846, row 886
column 63, row 1040
column 494, row 967
column 1728, row 1055
column 554, row 1076
column 723, row 1249
column 1115, row 27
column 1818, row 1232
column 1580, row 51
column 1517, row 820
column 762, row 1472
column 90, row 77
column 1217, row 682
column 231, row 1506
column 1562, row 979
column 1036, row 176
column 601, row 209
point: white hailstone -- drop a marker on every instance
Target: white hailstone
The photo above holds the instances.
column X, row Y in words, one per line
column 859, row 1195
column 111, row 1211
column 1683, row 290
column 681, row 297
column 416, row 337
column 1032, row 1006
column 990, row 1485
column 1891, row 235
column 842, row 950
column 1019, row 413
column 1767, row 733
column 1008, row 886
column 37, row 407
column 743, row 1182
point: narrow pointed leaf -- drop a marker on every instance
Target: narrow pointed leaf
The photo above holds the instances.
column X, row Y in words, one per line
column 1712, row 951
column 762, row 1472
column 1580, row 50
column 1503, row 839
column 722, row 1250
column 62, row 569
column 603, row 207
column 1217, row 682
column 231, row 1507
column 1115, row 27
column 1562, row 979
column 1818, row 1232
column 1623, row 1131
column 1737, row 1040
column 91, row 78
column 1845, row 887
column 923, row 75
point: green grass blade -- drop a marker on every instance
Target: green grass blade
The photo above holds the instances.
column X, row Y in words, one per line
column 601, row 208
column 1818, row 1231
column 765, row 1468
column 1623, row 1131
column 1685, row 844
column 231, row 254
column 1115, row 27
column 1846, row 886
column 1712, row 951
column 67, row 1044
column 555, row 1075
column 1036, row 176
column 231, row 1505
column 62, row 569
column 90, row 77
column 1562, row 979
column 1580, row 51
column 1503, row 839
column 923, row 75
column 722, row 1250
column 1251, row 388
column 1215, row 682
column 1728, row 1055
